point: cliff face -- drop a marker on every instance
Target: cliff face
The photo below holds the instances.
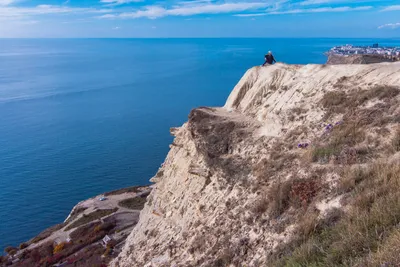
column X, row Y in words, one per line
column 357, row 59
column 239, row 179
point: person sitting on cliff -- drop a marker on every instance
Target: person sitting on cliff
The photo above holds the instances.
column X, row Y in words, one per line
column 269, row 59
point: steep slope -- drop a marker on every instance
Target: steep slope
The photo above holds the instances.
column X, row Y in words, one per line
column 244, row 184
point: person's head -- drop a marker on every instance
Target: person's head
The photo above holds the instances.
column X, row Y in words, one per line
column 269, row 52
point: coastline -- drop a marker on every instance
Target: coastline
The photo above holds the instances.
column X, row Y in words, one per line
column 111, row 215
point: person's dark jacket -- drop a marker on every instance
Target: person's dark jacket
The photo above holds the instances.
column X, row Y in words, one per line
column 269, row 59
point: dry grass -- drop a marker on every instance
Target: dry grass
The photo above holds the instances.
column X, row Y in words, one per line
column 135, row 203
column 297, row 132
column 267, row 168
column 75, row 213
column 334, row 99
column 339, row 144
column 339, row 102
column 387, row 254
column 396, row 141
column 283, row 194
column 372, row 219
column 278, row 198
column 259, row 206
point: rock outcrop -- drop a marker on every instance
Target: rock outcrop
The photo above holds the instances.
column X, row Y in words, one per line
column 235, row 184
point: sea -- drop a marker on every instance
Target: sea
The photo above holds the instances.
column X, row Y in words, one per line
column 79, row 117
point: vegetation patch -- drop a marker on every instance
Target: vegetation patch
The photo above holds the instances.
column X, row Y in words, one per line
column 135, row 203
column 278, row 198
column 365, row 233
column 82, row 250
column 86, row 218
column 75, row 214
column 339, row 144
column 283, row 194
column 339, row 102
column 278, row 160
column 132, row 189
column 46, row 233
column 396, row 141
column 303, row 192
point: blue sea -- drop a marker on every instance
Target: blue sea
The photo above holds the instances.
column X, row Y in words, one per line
column 84, row 116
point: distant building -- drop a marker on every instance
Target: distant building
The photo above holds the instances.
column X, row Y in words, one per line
column 346, row 50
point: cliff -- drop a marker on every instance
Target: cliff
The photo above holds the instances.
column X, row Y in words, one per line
column 294, row 155
column 357, row 59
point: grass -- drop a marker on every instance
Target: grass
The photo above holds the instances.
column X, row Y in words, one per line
column 135, row 203
column 279, row 159
column 339, row 143
column 340, row 102
column 387, row 254
column 83, row 230
column 278, row 198
column 365, row 233
column 75, row 214
column 86, row 218
column 396, row 141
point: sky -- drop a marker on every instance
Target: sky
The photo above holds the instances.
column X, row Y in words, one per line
column 199, row 18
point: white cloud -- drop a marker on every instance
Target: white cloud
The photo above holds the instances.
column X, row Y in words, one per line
column 251, row 15
column 392, row 8
column 320, row 2
column 28, row 22
column 107, row 16
column 322, row 10
column 154, row 12
column 20, row 12
column 6, row 2
column 390, row 25
column 116, row 28
column 120, row 2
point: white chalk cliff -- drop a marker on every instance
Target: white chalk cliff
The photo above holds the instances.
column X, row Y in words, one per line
column 207, row 206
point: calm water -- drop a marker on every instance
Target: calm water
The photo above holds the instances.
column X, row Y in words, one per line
column 81, row 117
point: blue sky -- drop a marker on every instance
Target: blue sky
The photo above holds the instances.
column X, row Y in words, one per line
column 199, row 18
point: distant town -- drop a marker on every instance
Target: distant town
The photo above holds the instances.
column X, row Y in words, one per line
column 386, row 52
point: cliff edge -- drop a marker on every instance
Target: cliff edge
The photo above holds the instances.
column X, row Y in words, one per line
column 293, row 156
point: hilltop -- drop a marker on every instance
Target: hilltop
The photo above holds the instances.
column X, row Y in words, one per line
column 299, row 168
